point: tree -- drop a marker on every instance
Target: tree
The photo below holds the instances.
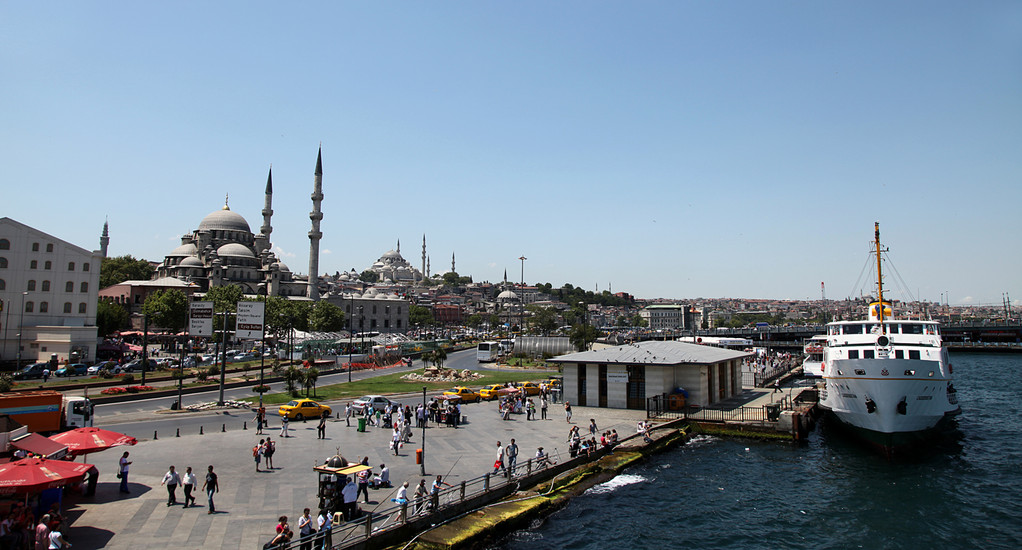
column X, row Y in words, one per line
column 438, row 357
column 582, row 336
column 123, row 268
column 224, row 298
column 326, row 317
column 544, row 319
column 369, row 276
column 419, row 316
column 309, row 378
column 292, row 377
column 474, row 320
column 110, row 317
column 167, row 309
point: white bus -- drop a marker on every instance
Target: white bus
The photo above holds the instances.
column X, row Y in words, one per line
column 487, row 351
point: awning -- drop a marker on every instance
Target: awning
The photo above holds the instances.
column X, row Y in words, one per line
column 39, row 445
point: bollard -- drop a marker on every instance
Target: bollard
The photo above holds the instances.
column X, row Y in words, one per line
column 244, row 425
column 463, row 491
column 154, row 436
column 224, row 428
column 200, row 430
column 178, row 432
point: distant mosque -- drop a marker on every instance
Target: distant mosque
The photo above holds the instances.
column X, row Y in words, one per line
column 223, row 251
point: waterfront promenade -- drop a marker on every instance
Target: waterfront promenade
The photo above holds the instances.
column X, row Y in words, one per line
column 249, row 503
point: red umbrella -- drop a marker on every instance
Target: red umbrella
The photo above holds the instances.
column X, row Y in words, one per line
column 32, row 475
column 80, row 441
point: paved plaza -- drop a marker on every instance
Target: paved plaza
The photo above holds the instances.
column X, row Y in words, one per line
column 249, row 503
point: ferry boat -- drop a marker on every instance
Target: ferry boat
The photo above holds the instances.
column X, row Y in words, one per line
column 887, row 379
column 812, row 364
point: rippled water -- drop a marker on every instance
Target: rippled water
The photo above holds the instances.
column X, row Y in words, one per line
column 827, row 493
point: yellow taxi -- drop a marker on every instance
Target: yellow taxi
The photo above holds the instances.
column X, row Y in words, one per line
column 467, row 395
column 303, row 408
column 531, row 388
column 491, row 392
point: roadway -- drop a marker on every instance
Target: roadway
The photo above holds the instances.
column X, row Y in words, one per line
column 142, row 417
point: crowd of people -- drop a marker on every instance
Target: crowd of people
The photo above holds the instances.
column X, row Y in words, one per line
column 19, row 529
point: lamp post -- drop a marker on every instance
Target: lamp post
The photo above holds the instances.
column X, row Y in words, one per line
column 21, row 327
column 361, row 330
column 585, row 326
column 351, row 332
column 262, row 347
column 223, row 364
column 181, row 372
column 422, row 463
column 145, row 343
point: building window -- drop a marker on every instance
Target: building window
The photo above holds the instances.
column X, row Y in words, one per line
column 67, row 307
column 374, row 309
column 70, row 266
column 49, row 247
column 81, row 307
column 33, row 264
column 29, row 307
column 48, row 265
column 31, row 286
column 85, row 286
column 44, row 307
column 85, row 266
column 5, row 244
column 35, row 247
column 399, row 323
column 46, row 286
column 69, row 287
column 3, row 284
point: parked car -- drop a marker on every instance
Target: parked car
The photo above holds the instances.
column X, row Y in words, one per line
column 531, row 388
column 34, row 370
column 76, row 369
column 111, row 366
column 136, row 366
column 303, row 408
column 465, row 394
column 491, row 392
column 189, row 362
column 378, row 401
column 248, row 356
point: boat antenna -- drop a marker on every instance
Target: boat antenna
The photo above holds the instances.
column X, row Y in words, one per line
column 880, row 278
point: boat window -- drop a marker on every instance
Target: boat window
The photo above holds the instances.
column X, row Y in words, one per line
column 853, row 329
column 898, row 354
column 853, row 354
column 910, row 373
column 867, row 354
column 860, row 372
column 913, row 354
column 912, row 328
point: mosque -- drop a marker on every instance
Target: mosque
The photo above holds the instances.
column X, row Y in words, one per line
column 224, row 251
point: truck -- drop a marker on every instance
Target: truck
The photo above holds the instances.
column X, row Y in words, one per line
column 46, row 411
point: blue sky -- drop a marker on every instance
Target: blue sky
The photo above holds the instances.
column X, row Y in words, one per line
column 669, row 149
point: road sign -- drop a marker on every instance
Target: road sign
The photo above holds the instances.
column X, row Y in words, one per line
column 250, row 320
column 200, row 319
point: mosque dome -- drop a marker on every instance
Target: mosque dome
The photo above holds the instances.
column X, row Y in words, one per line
column 187, row 249
column 390, row 254
column 190, row 261
column 507, row 295
column 224, row 220
column 281, row 266
column 235, row 250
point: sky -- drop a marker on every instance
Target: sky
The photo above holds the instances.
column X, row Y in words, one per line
column 674, row 149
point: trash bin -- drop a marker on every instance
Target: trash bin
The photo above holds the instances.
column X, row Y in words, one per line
column 361, row 424
column 418, row 456
column 773, row 412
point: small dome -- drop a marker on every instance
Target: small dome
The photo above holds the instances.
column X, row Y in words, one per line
column 184, row 250
column 507, row 295
column 224, row 220
column 392, row 255
column 281, row 266
column 337, row 461
column 190, row 261
column 235, row 250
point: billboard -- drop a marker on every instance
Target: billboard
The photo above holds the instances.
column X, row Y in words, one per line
column 250, row 320
column 200, row 319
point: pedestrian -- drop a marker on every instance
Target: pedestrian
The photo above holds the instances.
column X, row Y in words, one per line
column 420, row 495
column 542, row 407
column 350, row 494
column 189, row 481
column 171, row 479
column 42, row 533
column 592, row 427
column 512, row 457
column 257, row 453
column 402, row 498
column 434, row 491
column 498, row 464
column 46, row 375
column 305, row 530
column 259, row 423
column 325, row 524
column 321, row 429
column 530, row 410
column 777, row 385
column 363, row 484
column 211, row 485
column 542, row 459
column 283, row 426
column 567, row 411
column 57, row 539
column 268, row 451
column 382, row 480
column 347, row 415
column 124, row 463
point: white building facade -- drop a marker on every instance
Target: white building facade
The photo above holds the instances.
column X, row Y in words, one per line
column 49, row 289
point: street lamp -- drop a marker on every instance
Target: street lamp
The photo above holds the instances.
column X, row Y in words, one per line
column 145, row 342
column 223, row 364
column 262, row 346
column 585, row 326
column 422, row 463
column 351, row 332
column 21, row 327
column 361, row 330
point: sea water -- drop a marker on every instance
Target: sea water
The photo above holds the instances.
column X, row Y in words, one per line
column 829, row 492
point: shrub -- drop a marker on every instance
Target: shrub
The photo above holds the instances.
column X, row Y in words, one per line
column 261, row 388
column 202, row 375
column 128, row 378
column 214, row 370
column 6, row 382
column 106, row 373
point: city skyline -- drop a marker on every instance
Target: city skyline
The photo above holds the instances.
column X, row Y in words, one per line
column 667, row 150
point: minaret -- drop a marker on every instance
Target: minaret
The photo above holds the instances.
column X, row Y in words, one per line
column 104, row 241
column 315, row 234
column 424, row 255
column 452, row 264
column 266, row 229
column 427, row 267
column 399, row 246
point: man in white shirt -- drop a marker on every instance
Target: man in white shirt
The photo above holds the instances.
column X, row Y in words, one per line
column 350, row 494
column 382, row 480
column 171, row 479
column 189, row 481
column 325, row 523
column 123, row 464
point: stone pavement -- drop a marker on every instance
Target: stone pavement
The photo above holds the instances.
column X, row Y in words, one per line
column 249, row 503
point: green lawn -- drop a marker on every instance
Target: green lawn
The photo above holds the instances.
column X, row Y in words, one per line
column 392, row 383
